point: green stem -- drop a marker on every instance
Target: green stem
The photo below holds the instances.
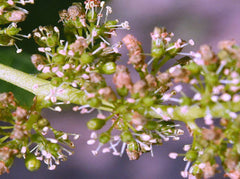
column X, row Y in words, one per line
column 76, row 96
column 27, row 82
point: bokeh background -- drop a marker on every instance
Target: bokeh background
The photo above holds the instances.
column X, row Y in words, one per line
column 204, row 21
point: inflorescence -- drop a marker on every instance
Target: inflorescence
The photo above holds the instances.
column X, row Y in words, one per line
column 141, row 113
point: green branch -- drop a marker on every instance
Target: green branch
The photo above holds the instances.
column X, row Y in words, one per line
column 76, row 96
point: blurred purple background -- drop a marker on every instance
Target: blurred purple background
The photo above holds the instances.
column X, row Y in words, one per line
column 204, row 21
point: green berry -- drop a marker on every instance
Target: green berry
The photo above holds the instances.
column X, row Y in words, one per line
column 148, row 101
column 43, row 122
column 94, row 102
column 55, row 81
column 95, row 124
column 193, row 68
column 122, row 91
column 109, row 68
column 211, row 79
column 151, row 125
column 91, row 17
column 126, row 136
column 36, row 138
column 12, row 31
column 133, row 146
column 104, row 138
column 86, row 58
column 191, row 155
column 31, row 163
column 157, row 52
column 54, row 149
column 58, row 59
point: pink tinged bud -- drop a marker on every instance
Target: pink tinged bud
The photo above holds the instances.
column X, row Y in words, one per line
column 235, row 81
column 75, row 108
column 35, row 86
column 101, row 116
column 17, row 16
column 234, row 74
column 94, row 152
column 66, row 66
column 130, row 100
column 170, row 111
column 178, row 88
column 234, row 88
column 202, row 165
column 214, row 98
column 153, row 141
column 78, row 68
column 145, row 137
column 193, row 81
column 208, row 119
column 76, row 136
column 91, row 142
column 91, row 95
column 166, row 97
column 116, row 153
column 233, row 115
column 173, row 155
column 19, row 50
column 197, row 97
column 23, row 150
column 116, row 137
column 58, row 109
column 59, row 74
column 191, row 42
column 226, row 72
column 46, row 70
column 93, row 135
column 53, row 99
column 186, row 147
column 41, row 49
column 48, row 49
column 53, row 141
column 184, row 174
column 10, row 2
column 85, row 76
column 64, row 136
column 62, row 52
column 147, row 148
column 106, row 150
column 101, row 91
column 54, row 69
column 139, row 128
column 40, row 67
column 52, row 167
column 84, row 110
column 225, row 97
column 184, row 109
column 236, row 98
column 70, row 53
column 74, row 84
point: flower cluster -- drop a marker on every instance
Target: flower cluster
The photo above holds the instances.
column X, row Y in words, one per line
column 141, row 111
column 11, row 14
column 24, row 132
column 217, row 84
column 85, row 55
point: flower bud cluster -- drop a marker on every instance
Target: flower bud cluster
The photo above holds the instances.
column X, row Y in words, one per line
column 11, row 14
column 84, row 56
column 215, row 81
column 25, row 135
column 80, row 62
